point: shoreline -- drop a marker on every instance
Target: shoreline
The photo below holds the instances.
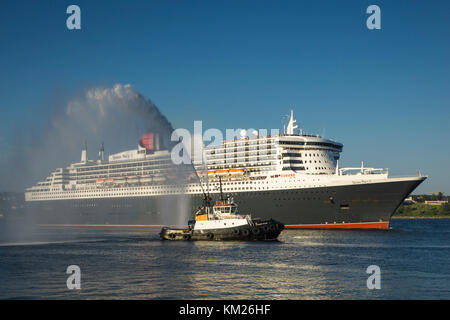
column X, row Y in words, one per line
column 419, row 217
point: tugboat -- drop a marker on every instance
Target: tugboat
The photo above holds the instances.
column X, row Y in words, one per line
column 221, row 222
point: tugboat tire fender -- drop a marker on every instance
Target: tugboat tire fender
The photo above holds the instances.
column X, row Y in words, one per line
column 245, row 232
column 256, row 231
column 236, row 231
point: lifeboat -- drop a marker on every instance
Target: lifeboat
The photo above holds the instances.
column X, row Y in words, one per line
column 226, row 171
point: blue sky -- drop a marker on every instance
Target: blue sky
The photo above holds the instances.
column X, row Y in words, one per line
column 384, row 94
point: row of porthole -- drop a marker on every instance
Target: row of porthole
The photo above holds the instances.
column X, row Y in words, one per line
column 247, row 194
column 160, row 192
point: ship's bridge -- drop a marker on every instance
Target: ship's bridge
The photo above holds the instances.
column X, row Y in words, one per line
column 309, row 154
column 299, row 152
column 306, row 153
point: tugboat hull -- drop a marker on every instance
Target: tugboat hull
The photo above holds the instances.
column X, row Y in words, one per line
column 259, row 231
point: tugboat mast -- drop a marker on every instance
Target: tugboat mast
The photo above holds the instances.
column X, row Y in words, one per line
column 221, row 193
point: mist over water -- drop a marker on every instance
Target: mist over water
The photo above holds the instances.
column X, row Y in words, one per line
column 117, row 116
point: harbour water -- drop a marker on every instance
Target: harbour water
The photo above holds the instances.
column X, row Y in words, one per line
column 133, row 263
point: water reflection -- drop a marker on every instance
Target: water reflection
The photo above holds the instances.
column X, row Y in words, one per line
column 304, row 264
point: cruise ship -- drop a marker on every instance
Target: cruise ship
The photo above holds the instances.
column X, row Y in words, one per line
column 292, row 177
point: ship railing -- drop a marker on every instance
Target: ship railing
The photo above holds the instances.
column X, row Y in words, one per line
column 362, row 171
column 249, row 219
column 408, row 175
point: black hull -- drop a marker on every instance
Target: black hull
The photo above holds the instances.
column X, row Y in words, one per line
column 349, row 205
column 261, row 231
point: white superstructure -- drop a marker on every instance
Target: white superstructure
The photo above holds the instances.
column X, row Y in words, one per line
column 283, row 161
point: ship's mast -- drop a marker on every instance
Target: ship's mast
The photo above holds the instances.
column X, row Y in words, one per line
column 206, row 197
column 84, row 152
column 101, row 153
column 291, row 125
column 221, row 193
column 283, row 121
column 206, row 173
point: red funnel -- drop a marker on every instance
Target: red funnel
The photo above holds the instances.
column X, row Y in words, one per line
column 147, row 141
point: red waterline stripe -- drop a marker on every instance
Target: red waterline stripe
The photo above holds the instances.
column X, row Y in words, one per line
column 358, row 225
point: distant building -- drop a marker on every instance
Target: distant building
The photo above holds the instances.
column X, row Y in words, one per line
column 409, row 200
column 436, row 202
